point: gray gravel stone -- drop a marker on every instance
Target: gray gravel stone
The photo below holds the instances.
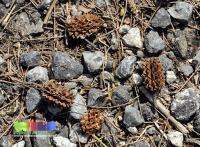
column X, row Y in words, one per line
column 60, row 141
column 102, row 3
column 161, row 19
column 133, row 38
column 107, row 76
column 170, row 77
column 71, row 85
column 30, row 59
column 41, row 141
column 2, row 99
column 185, row 104
column 132, row 117
column 24, row 26
column 78, row 107
column 3, row 10
column 76, row 134
column 64, row 132
column 114, row 42
column 33, row 99
column 124, row 29
column 3, row 65
column 85, row 80
column 93, row 60
column 64, row 67
column 133, row 130
column 140, row 144
column 181, row 11
column 153, row 42
column 19, row 144
column 126, row 67
column 196, row 123
column 120, row 95
column 149, row 113
column 140, row 54
column 137, row 79
column 176, row 138
column 95, row 97
column 149, row 95
column 186, row 69
column 54, row 109
column 4, row 141
column 167, row 63
column 36, row 74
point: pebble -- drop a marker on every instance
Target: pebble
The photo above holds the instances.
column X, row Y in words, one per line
column 30, row 59
column 78, row 107
column 2, row 99
column 132, row 117
column 196, row 123
column 85, row 80
column 124, row 29
column 148, row 112
column 3, row 65
column 181, row 11
column 93, row 60
column 77, row 135
column 170, row 77
column 24, row 26
column 95, row 97
column 41, row 141
column 107, row 76
column 149, row 95
column 36, row 74
column 3, row 10
column 161, row 19
column 133, row 38
column 64, row 132
column 140, row 144
column 71, row 85
column 126, row 67
column 60, row 141
column 4, row 141
column 120, row 95
column 186, row 69
column 153, row 42
column 137, row 79
column 140, row 54
column 176, row 138
column 133, row 130
column 19, row 144
column 168, row 64
column 33, row 99
column 114, row 42
column 185, row 104
column 102, row 3
column 64, row 67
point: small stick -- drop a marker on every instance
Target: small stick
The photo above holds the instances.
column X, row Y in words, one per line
column 8, row 16
column 49, row 11
column 99, row 140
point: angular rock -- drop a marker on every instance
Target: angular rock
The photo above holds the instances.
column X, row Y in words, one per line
column 64, row 67
column 148, row 112
column 2, row 99
column 137, row 79
column 185, row 104
column 85, row 80
column 33, row 99
column 124, row 29
column 64, row 132
column 4, row 141
column 71, row 85
column 170, row 77
column 181, row 11
column 19, row 144
column 167, row 63
column 60, row 141
column 133, row 38
column 37, row 74
column 93, row 60
column 132, row 117
column 120, row 95
column 107, row 76
column 78, row 107
column 41, row 141
column 140, row 144
column 153, row 42
column 102, row 3
column 76, row 134
column 186, row 69
column 176, row 138
column 3, row 65
column 133, row 130
column 95, row 97
column 30, row 59
column 149, row 95
column 140, row 54
column 126, row 67
column 196, row 122
column 161, row 19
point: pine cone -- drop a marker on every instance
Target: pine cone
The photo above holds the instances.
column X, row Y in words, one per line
column 92, row 121
column 84, row 25
column 153, row 74
column 57, row 94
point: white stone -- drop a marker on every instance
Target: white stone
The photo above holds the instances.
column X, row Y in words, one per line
column 60, row 141
column 176, row 138
column 170, row 77
column 19, row 144
column 37, row 74
column 133, row 38
column 137, row 79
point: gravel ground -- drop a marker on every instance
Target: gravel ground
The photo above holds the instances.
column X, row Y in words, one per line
column 110, row 73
